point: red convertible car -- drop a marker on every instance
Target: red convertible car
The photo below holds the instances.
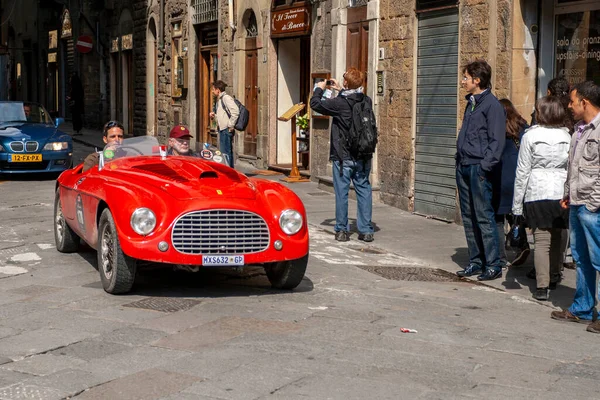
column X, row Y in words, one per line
column 140, row 204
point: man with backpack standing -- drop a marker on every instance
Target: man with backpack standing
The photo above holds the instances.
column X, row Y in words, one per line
column 479, row 149
column 352, row 143
column 226, row 112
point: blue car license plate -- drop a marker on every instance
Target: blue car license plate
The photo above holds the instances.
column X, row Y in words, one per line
column 212, row 261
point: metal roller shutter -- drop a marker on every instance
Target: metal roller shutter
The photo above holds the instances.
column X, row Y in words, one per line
column 437, row 86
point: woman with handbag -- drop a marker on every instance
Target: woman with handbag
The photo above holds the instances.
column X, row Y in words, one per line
column 539, row 186
column 504, row 178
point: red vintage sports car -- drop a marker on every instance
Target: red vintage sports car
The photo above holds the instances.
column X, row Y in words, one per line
column 140, row 204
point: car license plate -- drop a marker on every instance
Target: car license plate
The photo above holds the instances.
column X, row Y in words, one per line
column 212, row 261
column 25, row 158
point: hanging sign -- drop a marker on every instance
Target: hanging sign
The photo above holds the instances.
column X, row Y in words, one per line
column 114, row 45
column 127, row 42
column 293, row 21
column 67, row 28
column 52, row 40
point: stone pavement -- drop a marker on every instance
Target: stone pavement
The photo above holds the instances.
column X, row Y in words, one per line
column 418, row 240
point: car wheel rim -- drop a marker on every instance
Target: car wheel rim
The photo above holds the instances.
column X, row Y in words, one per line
column 59, row 224
column 107, row 252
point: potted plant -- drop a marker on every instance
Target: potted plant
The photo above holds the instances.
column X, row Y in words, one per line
column 302, row 122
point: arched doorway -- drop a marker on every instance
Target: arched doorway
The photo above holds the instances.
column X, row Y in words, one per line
column 151, row 80
column 251, row 81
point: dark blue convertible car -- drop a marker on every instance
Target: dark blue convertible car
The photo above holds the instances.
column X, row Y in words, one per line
column 30, row 141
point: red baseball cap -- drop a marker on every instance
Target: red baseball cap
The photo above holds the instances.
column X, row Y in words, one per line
column 180, row 132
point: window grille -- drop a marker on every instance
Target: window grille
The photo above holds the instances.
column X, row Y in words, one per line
column 204, row 11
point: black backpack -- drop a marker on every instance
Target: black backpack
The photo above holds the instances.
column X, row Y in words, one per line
column 362, row 137
column 243, row 117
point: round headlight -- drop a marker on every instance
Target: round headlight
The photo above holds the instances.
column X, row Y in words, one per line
column 290, row 221
column 143, row 221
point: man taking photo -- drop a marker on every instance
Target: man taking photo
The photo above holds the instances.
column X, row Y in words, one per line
column 348, row 166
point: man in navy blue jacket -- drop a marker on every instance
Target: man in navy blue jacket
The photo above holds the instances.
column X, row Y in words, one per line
column 479, row 149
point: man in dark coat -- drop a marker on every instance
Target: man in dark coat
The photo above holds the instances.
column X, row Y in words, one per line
column 479, row 148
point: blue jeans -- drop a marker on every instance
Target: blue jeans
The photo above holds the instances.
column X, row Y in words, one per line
column 357, row 172
column 585, row 248
column 226, row 145
column 479, row 222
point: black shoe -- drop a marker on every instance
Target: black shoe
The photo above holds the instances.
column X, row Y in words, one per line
column 342, row 236
column 366, row 237
column 555, row 279
column 542, row 294
column 521, row 256
column 490, row 274
column 531, row 273
column 469, row 271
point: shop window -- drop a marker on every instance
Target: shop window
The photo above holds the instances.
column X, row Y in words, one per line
column 577, row 46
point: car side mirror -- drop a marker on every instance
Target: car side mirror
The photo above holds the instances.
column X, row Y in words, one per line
column 58, row 122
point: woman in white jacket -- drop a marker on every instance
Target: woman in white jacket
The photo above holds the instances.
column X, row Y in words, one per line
column 539, row 186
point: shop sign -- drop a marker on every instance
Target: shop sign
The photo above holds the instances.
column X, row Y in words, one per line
column 51, row 57
column 127, row 42
column 67, row 29
column 114, row 45
column 52, row 40
column 293, row 21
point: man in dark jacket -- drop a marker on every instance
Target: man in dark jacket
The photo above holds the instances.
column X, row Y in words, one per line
column 345, row 167
column 479, row 149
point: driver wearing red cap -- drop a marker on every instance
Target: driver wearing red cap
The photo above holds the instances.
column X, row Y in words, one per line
column 179, row 142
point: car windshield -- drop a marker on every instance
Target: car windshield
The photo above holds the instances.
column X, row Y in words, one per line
column 149, row 146
column 23, row 112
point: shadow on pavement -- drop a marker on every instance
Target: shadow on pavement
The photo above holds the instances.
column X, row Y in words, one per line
column 330, row 222
column 161, row 280
column 28, row 177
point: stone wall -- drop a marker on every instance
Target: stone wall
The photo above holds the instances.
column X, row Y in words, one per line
column 395, row 149
column 485, row 30
column 321, row 53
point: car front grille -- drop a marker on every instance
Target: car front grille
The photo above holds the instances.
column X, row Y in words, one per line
column 220, row 232
column 31, row 146
column 16, row 146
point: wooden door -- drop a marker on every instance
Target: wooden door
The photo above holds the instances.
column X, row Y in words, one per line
column 207, row 75
column 357, row 45
column 251, row 97
column 130, row 97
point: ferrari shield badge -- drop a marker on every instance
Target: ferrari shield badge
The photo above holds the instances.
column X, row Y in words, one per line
column 219, row 192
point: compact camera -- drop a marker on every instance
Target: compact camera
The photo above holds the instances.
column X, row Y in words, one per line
column 329, row 82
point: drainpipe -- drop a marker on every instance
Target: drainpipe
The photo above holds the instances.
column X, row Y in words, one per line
column 161, row 26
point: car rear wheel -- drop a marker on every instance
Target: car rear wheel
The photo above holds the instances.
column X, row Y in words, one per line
column 65, row 238
column 117, row 270
column 287, row 274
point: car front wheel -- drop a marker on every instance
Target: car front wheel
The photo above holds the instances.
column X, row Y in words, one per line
column 287, row 274
column 117, row 270
column 65, row 238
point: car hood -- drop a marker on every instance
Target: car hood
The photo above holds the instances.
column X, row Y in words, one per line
column 39, row 132
column 184, row 178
